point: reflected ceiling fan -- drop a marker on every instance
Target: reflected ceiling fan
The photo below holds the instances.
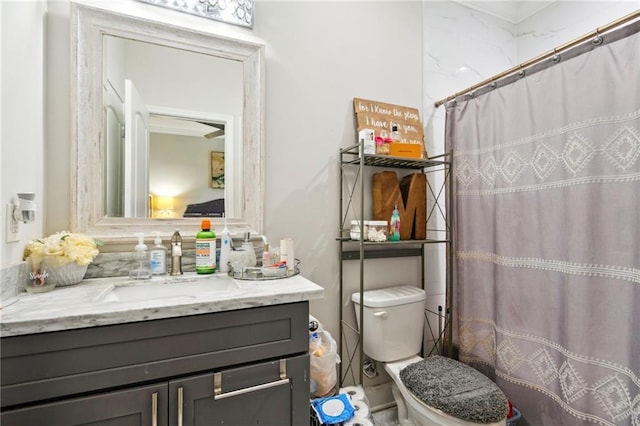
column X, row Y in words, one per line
column 185, row 127
column 215, row 133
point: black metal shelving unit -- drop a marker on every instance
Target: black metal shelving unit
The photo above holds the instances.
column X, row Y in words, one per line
column 439, row 204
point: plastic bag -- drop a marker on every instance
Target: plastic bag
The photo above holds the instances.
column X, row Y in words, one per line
column 323, row 357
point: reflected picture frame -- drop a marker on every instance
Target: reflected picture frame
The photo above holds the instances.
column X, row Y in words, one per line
column 236, row 12
column 217, row 170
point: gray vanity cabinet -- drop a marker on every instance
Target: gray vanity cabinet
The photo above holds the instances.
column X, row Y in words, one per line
column 261, row 394
column 243, row 367
column 138, row 406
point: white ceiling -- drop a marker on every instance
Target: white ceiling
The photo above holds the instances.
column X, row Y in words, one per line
column 513, row 11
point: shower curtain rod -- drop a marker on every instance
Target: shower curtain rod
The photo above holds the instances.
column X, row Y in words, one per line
column 598, row 31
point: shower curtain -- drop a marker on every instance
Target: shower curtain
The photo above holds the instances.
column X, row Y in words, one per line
column 547, row 234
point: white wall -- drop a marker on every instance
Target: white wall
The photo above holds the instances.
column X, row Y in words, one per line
column 564, row 21
column 58, row 81
column 173, row 78
column 320, row 55
column 180, row 166
column 179, row 80
column 22, row 53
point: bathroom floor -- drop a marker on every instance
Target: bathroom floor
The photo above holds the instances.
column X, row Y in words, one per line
column 388, row 417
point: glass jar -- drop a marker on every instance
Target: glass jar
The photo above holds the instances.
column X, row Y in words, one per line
column 36, row 277
column 383, row 143
column 383, row 148
column 354, row 232
column 377, row 230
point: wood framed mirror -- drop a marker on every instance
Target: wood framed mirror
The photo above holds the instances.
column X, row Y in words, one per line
column 90, row 25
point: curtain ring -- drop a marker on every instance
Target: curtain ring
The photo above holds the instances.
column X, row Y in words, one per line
column 597, row 40
column 493, row 85
column 555, row 58
column 472, row 95
column 521, row 73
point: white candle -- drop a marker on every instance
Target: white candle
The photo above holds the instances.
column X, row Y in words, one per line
column 287, row 253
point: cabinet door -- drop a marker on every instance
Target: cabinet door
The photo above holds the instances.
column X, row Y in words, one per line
column 140, row 406
column 267, row 393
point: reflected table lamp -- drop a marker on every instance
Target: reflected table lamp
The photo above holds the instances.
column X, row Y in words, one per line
column 164, row 206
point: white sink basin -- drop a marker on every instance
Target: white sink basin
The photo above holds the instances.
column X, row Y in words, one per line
column 174, row 290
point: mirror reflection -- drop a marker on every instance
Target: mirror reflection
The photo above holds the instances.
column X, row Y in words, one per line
column 179, row 72
column 170, row 117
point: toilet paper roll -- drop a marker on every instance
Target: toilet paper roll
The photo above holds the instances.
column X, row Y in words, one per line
column 362, row 409
column 356, row 393
column 358, row 422
column 286, row 253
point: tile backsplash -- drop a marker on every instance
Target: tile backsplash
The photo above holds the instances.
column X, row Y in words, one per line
column 10, row 279
column 117, row 264
column 105, row 265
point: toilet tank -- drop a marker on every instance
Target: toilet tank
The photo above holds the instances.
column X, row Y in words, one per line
column 393, row 322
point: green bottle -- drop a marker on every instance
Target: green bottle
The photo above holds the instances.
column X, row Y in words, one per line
column 205, row 249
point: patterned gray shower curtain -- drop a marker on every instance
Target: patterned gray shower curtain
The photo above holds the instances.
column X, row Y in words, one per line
column 547, row 235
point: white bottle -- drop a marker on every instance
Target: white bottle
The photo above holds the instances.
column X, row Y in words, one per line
column 139, row 267
column 247, row 246
column 266, row 256
column 395, row 134
column 225, row 250
column 158, row 256
column 366, row 139
column 286, row 253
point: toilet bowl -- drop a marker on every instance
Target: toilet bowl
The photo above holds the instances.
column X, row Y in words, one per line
column 412, row 411
column 393, row 326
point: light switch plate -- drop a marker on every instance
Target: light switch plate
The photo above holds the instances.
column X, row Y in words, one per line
column 11, row 236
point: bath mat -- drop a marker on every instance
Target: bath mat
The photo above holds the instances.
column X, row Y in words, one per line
column 456, row 389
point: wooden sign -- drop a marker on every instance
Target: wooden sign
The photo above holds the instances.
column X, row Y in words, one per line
column 381, row 116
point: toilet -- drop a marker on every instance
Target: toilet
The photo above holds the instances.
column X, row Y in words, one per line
column 430, row 391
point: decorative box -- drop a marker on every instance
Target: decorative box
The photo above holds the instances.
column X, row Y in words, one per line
column 405, row 150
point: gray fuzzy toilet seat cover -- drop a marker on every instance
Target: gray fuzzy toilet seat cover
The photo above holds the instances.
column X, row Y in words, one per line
column 455, row 388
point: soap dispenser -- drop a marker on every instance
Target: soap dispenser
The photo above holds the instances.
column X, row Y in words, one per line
column 158, row 256
column 140, row 268
column 247, row 246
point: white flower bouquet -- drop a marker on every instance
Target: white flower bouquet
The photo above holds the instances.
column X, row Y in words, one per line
column 58, row 260
column 62, row 248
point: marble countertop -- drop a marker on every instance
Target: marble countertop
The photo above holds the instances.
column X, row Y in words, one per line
column 104, row 301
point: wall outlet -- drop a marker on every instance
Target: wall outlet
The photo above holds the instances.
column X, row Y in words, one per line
column 13, row 230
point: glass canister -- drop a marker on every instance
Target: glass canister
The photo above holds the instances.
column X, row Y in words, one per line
column 354, row 232
column 383, row 148
column 37, row 277
column 377, row 230
column 383, row 143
